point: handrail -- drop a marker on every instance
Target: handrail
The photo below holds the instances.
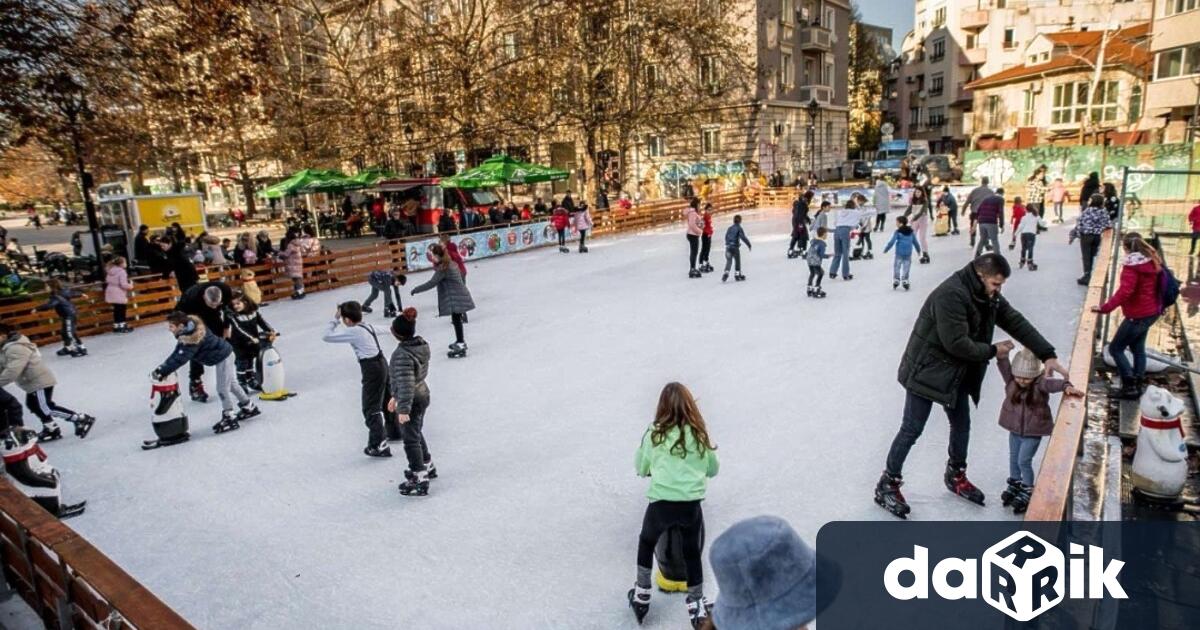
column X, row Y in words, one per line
column 1055, row 479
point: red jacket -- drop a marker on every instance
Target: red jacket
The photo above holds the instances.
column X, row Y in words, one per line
column 1018, row 213
column 1138, row 293
column 560, row 219
column 1194, row 218
column 708, row 228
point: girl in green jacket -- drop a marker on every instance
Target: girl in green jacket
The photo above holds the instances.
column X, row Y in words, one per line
column 678, row 456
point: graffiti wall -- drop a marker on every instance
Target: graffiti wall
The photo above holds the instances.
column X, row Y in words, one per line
column 666, row 179
column 1073, row 164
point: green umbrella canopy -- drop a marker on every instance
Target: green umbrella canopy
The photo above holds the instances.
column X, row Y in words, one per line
column 329, row 181
column 500, row 170
column 370, row 177
column 294, row 184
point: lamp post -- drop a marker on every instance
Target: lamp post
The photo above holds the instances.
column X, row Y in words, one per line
column 408, row 137
column 814, row 110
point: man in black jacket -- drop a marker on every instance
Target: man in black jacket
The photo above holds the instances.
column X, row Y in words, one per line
column 208, row 301
column 946, row 358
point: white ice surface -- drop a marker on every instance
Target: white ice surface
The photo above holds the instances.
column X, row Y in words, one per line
column 534, row 520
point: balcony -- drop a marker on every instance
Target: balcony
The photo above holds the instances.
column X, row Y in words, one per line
column 816, row 39
column 974, row 56
column 822, row 93
column 973, row 19
column 964, row 97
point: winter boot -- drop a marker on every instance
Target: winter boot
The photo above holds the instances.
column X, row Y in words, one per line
column 639, row 601
column 1020, row 503
column 50, row 432
column 417, row 485
column 382, row 450
column 888, row 496
column 197, row 391
column 228, row 422
column 247, row 410
column 738, row 277
column 957, row 482
column 698, row 611
column 83, row 423
column 1011, row 492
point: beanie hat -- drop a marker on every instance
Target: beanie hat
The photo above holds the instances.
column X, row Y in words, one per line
column 767, row 577
column 405, row 324
column 1026, row 365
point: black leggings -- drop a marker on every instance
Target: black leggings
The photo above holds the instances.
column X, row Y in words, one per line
column 705, row 246
column 815, row 271
column 562, row 238
column 119, row 313
column 41, row 403
column 880, row 220
column 693, row 248
column 413, row 434
column 457, row 320
column 865, row 236
column 374, row 397
column 582, row 238
column 663, row 515
column 799, row 241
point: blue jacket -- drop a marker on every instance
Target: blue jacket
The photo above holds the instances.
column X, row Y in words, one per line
column 816, row 252
column 61, row 302
column 905, row 241
column 195, row 343
column 734, row 236
column 381, row 279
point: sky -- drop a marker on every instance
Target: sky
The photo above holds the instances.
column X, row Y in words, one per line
column 894, row 14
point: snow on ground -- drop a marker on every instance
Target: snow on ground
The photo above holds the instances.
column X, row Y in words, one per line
column 534, row 520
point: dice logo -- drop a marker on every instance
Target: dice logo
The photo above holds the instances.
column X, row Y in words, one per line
column 1023, row 576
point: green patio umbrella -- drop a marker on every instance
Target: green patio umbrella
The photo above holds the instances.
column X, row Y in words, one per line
column 501, row 170
column 329, row 182
column 293, row 185
column 369, row 178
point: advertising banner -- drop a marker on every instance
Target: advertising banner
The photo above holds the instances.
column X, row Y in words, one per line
column 484, row 243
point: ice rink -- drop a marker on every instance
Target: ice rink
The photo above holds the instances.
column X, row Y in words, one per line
column 533, row 522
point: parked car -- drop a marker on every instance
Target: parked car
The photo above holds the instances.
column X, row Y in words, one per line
column 941, row 168
column 860, row 169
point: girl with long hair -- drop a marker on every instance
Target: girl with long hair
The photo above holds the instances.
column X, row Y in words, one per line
column 454, row 300
column 679, row 457
column 1140, row 305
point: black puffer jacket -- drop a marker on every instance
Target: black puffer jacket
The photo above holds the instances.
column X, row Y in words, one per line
column 409, row 367
column 192, row 302
column 951, row 342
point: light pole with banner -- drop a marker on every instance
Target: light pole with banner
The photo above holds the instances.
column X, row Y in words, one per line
column 814, row 110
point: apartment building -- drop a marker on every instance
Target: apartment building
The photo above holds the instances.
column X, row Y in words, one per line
column 955, row 42
column 1173, row 94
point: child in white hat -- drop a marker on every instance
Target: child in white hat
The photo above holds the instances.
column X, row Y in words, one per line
column 1027, row 416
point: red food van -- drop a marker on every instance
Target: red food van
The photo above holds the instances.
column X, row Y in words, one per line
column 435, row 200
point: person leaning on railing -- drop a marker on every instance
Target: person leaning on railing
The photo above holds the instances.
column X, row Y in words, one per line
column 1138, row 297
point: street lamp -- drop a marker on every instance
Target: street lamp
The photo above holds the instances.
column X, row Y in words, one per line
column 408, row 137
column 814, row 110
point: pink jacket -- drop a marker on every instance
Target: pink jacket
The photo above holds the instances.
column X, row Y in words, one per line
column 583, row 220
column 300, row 248
column 117, row 286
column 695, row 225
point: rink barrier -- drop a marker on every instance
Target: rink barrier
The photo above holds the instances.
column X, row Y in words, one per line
column 153, row 298
column 70, row 584
column 1054, row 485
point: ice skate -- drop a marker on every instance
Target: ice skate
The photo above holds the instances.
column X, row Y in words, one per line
column 389, row 313
column 563, row 250
column 1021, row 265
column 698, row 611
column 430, row 471
column 368, row 309
column 69, row 510
column 83, row 424
column 738, row 277
column 848, row 277
column 197, row 391
column 415, row 486
column 1032, row 266
column 924, row 258
column 639, row 601
column 228, row 422
column 819, row 293
column 706, row 268
column 868, row 256
column 694, row 273
column 832, row 276
column 63, row 351
column 724, row 276
column 957, row 482
column 810, row 292
column 1020, row 503
column 895, row 284
column 50, row 432
column 79, row 351
column 954, row 232
column 382, row 450
column 905, row 285
column 246, row 411
column 1010, row 492
column 149, row 445
column 457, row 351
column 792, row 254
column 1012, row 246
column 583, row 249
column 888, row 496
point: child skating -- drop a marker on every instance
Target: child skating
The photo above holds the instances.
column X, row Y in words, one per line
column 409, row 400
column 1018, row 212
column 706, row 235
column 347, row 327
column 116, row 293
column 734, row 237
column 559, row 220
column 22, row 364
column 60, row 301
column 388, row 283
column 1027, row 231
column 195, row 342
column 905, row 242
column 247, row 332
column 583, row 222
column 814, row 256
column 1027, row 417
column 678, row 456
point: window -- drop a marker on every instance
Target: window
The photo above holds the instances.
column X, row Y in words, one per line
column 828, row 21
column 914, row 117
column 939, row 49
column 1000, row 4
column 653, row 78
column 828, row 135
column 936, row 117
column 788, row 12
column 1171, row 7
column 936, row 84
column 1135, row 102
column 1010, row 38
column 994, row 112
column 656, row 146
column 709, row 71
column 787, row 70
column 827, row 76
column 1178, row 62
column 508, row 45
column 939, row 17
column 1027, row 108
column 430, row 12
column 1070, row 102
column 970, row 41
column 1104, row 105
column 710, row 140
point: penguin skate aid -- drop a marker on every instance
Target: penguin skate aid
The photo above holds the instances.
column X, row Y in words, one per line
column 194, row 342
column 967, row 308
column 29, row 470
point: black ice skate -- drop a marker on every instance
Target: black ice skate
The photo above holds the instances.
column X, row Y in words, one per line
column 895, row 284
column 430, row 471
column 246, row 411
column 725, row 276
column 819, row 293
column 639, row 601
column 73, row 509
column 793, row 254
column 738, row 277
column 368, row 309
column 810, row 292
column 1011, row 492
column 583, row 249
column 905, row 285
column 957, row 482
column 1021, row 265
column 888, row 496
column 698, row 611
column 1032, row 266
column 415, row 486
column 706, row 268
column 1020, row 503
column 83, row 424
column 1012, row 246
column 50, row 432
column 564, row 250
column 197, row 392
column 694, row 273
column 228, row 422
column 79, row 351
column 924, row 258
column 382, row 450
column 63, row 351
column 868, row 256
column 390, row 313
column 458, row 350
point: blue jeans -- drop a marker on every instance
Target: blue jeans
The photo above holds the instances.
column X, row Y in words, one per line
column 1131, row 334
column 1021, row 450
column 900, row 268
column 841, row 251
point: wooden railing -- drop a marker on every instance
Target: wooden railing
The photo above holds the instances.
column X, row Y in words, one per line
column 67, row 582
column 1055, row 480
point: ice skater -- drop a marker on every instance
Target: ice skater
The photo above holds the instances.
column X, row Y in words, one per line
column 248, row 330
column 920, row 214
column 1019, row 211
column 1027, row 231
column 846, row 219
column 679, row 457
column 882, row 200
column 799, row 243
column 388, row 283
column 989, row 220
column 409, row 400
column 695, row 227
column 209, row 302
column 582, row 218
column 1027, row 417
column 706, row 235
column 195, row 342
column 905, row 241
column 559, row 221
column 23, row 365
column 60, row 302
column 734, row 237
column 116, row 292
column 454, row 299
column 347, row 327
column 814, row 256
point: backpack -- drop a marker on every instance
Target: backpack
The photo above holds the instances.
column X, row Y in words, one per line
column 1168, row 289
